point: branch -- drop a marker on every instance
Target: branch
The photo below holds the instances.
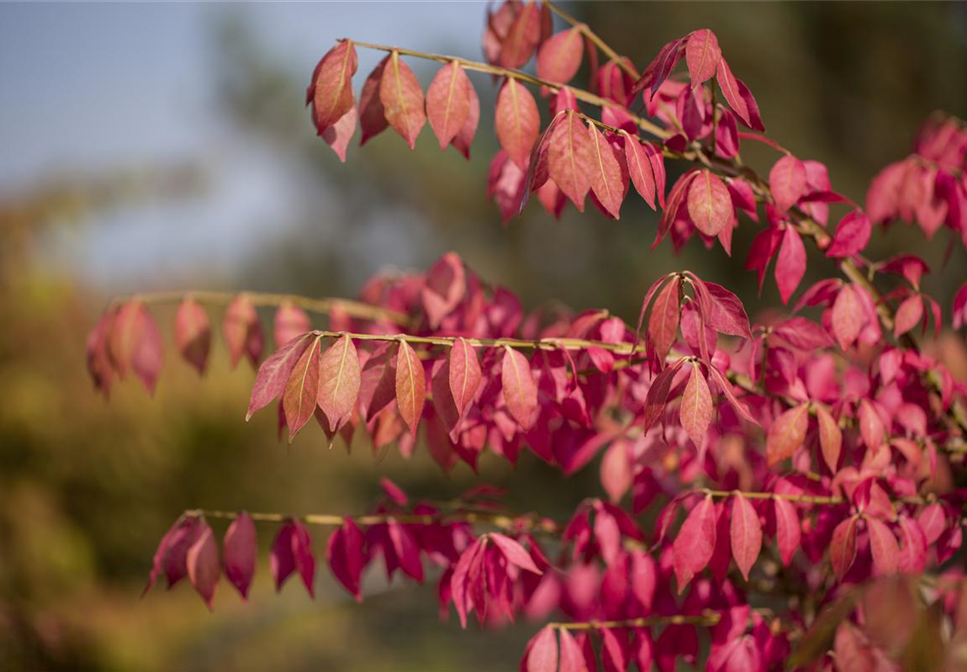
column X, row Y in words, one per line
column 356, row 309
column 516, row 343
column 580, row 94
column 707, row 618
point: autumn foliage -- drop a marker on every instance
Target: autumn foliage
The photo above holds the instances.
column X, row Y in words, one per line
column 786, row 494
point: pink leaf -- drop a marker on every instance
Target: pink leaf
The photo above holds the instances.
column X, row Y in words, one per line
column 517, row 121
column 709, row 203
column 608, row 182
column 640, row 167
column 514, row 552
column 559, row 57
column 830, row 437
column 791, row 264
column 464, row 138
column 788, row 529
column 402, row 98
column 193, row 333
column 339, row 380
column 203, row 565
column 372, row 114
column 290, row 321
column 572, row 659
column 339, row 134
column 842, row 548
column 448, row 102
column 702, row 55
column 664, row 318
column 410, row 386
column 847, row 316
column 852, row 235
column 240, row 549
column 569, row 158
column 787, row 181
column 301, row 390
column 331, row 91
column 883, row 545
column 519, row 388
column 135, row 343
column 292, row 551
column 695, row 543
column 444, row 288
column 787, row 434
column 746, row 534
column 696, row 407
column 542, row 652
column 275, row 372
column 243, row 331
column 464, row 374
column 908, row 315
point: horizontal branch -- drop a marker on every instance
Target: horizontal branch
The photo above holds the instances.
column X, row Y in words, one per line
column 707, row 618
column 516, row 343
column 499, row 520
column 355, row 309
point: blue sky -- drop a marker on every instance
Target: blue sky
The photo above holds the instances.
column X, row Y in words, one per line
column 103, row 85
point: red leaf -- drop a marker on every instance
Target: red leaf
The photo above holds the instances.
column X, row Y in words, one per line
column 331, row 89
column 542, row 652
column 372, row 115
column 658, row 395
column 99, row 362
column 173, row 537
column 243, row 331
column 709, row 203
column 402, row 98
column 696, row 408
column 908, row 315
column 301, row 390
column 852, row 235
column 514, row 552
column 569, row 158
column 730, row 89
column 786, row 434
column 658, row 70
column 339, row 380
column 344, row 554
column 241, row 550
column 847, row 316
column 746, row 534
column 519, row 388
column 292, row 551
column 275, row 372
column 193, row 333
column 787, row 181
column 842, row 548
column 883, row 545
column 640, row 167
column 448, row 102
column 664, row 318
column 791, row 264
column 203, row 565
column 559, row 58
column 464, row 374
column 410, row 386
column 290, row 321
column 608, row 181
column 613, row 652
column 788, row 529
column 830, row 437
column 695, row 543
column 517, row 121
column 702, row 54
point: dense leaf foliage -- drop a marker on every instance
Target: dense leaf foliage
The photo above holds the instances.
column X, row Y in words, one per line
column 785, row 493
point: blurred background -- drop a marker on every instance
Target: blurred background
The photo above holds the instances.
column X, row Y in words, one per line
column 149, row 146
